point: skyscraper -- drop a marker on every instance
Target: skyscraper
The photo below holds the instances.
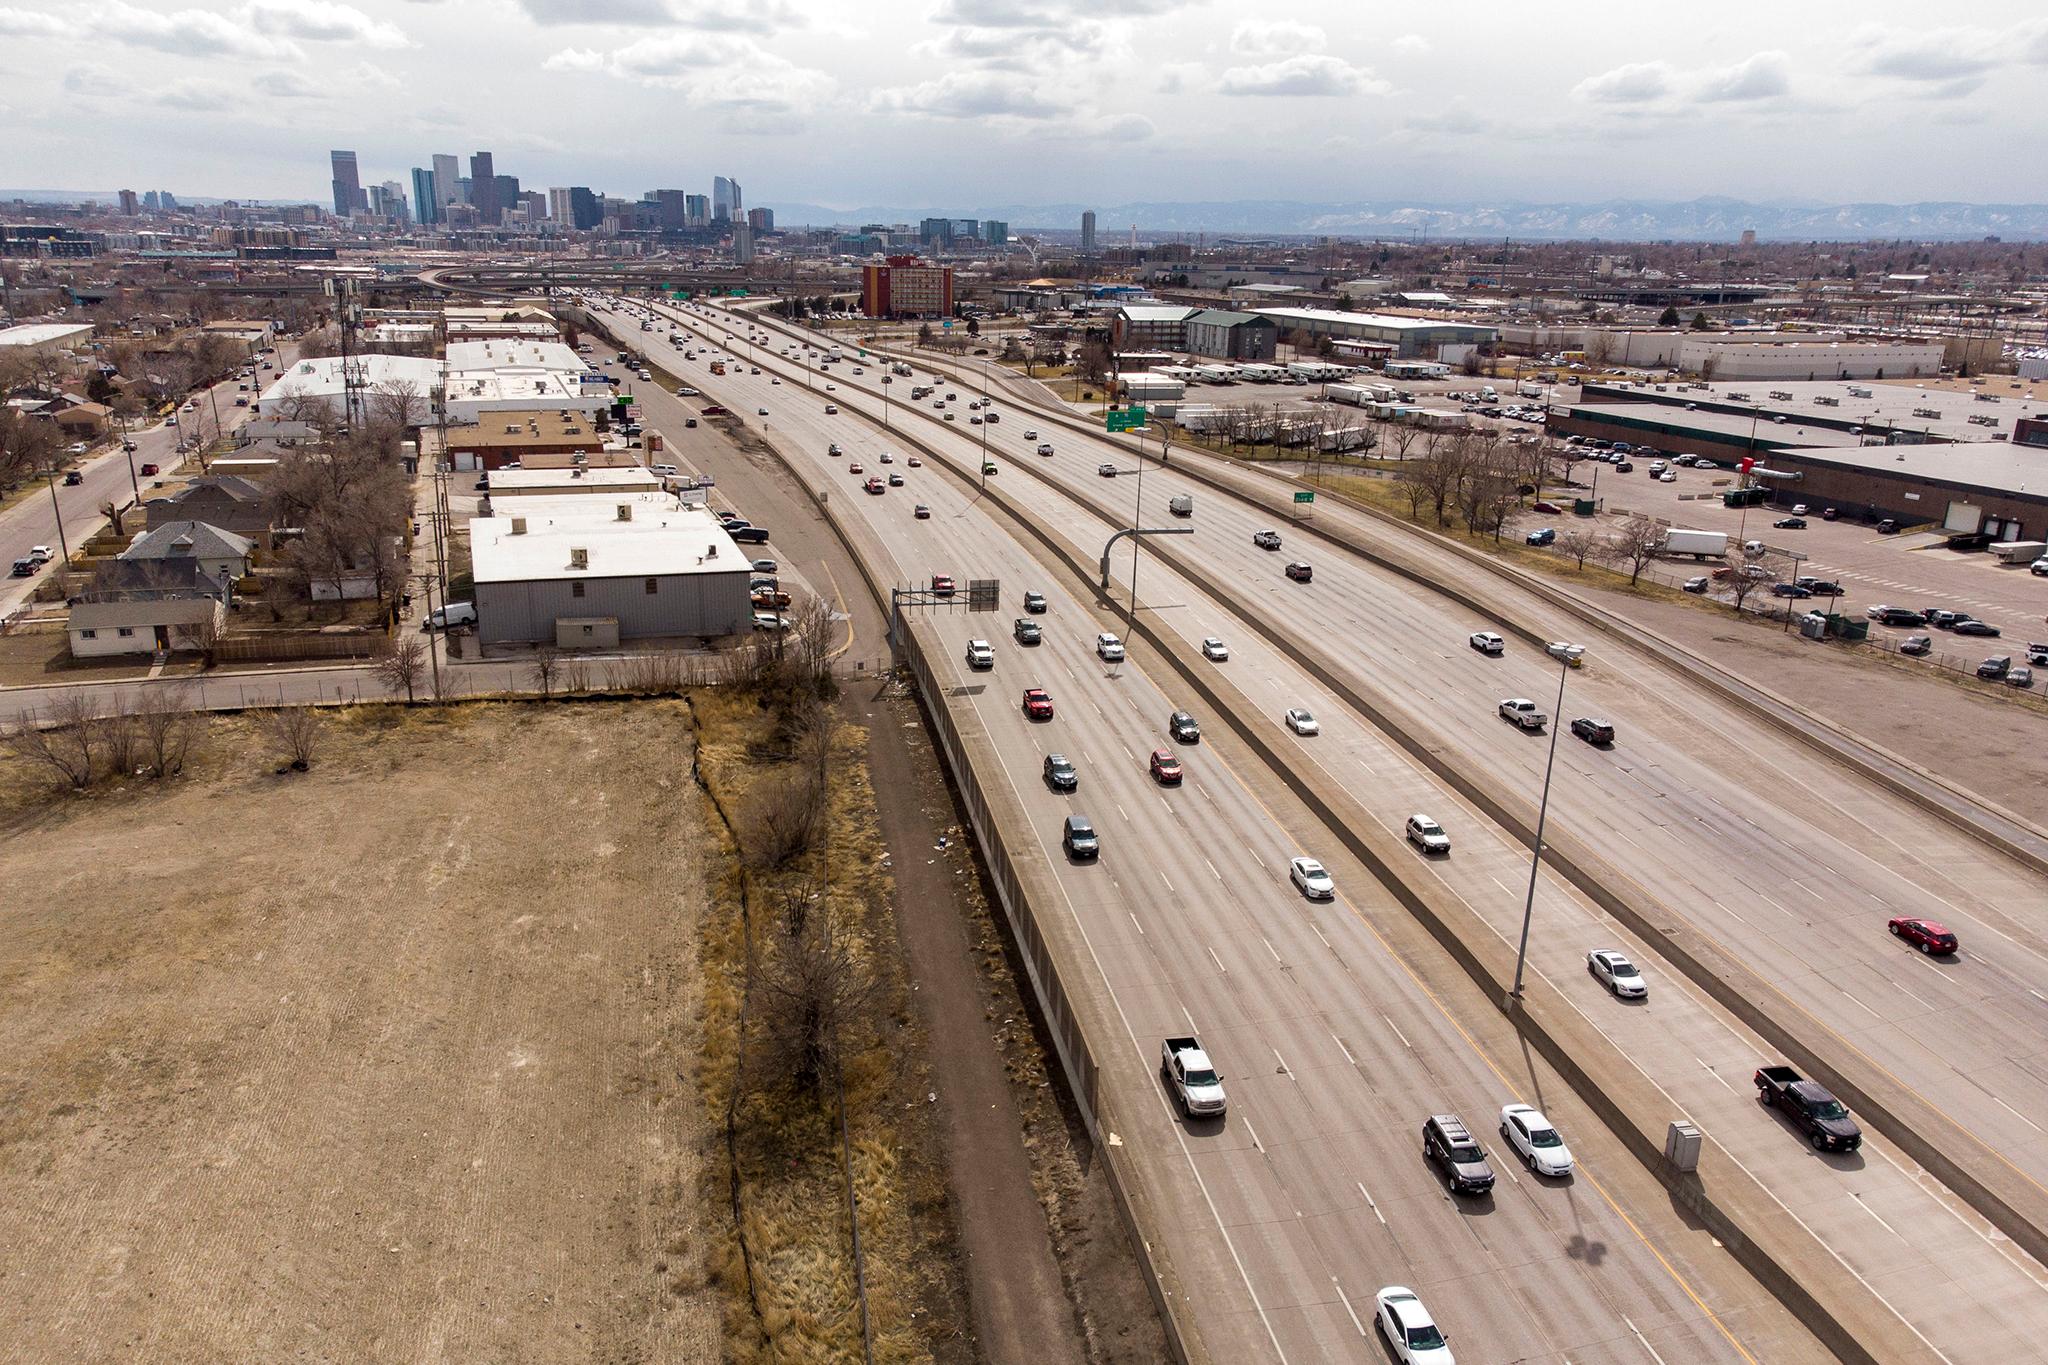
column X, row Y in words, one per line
column 586, row 210
column 483, row 187
column 742, row 242
column 426, row 196
column 129, row 204
column 348, row 189
column 725, row 199
column 506, row 195
column 674, row 208
column 761, row 220
column 447, row 172
column 696, row 210
column 995, row 232
column 1088, row 230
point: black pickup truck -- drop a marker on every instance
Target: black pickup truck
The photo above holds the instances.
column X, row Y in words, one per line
column 1818, row 1114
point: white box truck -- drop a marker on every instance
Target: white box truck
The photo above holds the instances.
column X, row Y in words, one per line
column 1699, row 544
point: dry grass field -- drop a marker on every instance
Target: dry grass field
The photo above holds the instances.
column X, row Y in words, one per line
column 382, row 1061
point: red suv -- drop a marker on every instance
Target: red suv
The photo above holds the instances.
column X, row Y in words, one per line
column 1924, row 934
column 1037, row 703
column 875, row 486
column 1165, row 768
column 942, row 585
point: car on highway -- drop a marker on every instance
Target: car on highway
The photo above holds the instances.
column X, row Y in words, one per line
column 1536, row 1140
column 1106, row 470
column 921, row 512
column 25, row 567
column 763, row 412
column 1311, row 879
column 988, row 466
column 1824, row 1119
column 1030, row 433
column 1078, row 837
column 1060, row 773
column 1300, row 571
column 1214, row 650
column 1427, row 835
column 1524, row 713
column 895, row 479
column 1972, row 626
column 1109, row 648
column 887, row 458
column 1699, row 583
column 1301, row 722
column 1034, row 602
column 1045, row 447
column 1452, row 1149
column 1917, row 644
column 914, row 462
column 1486, row 642
column 1184, row 728
column 876, row 487
column 1929, row 936
column 1409, row 1329
column 1593, row 731
column 831, row 409
column 981, row 655
column 856, row 468
column 1266, row 540
column 833, row 449
column 1789, row 524
column 1165, row 768
column 1025, row 631
column 1612, row 969
column 1037, row 703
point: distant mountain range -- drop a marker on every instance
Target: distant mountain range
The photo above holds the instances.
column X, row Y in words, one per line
column 1619, row 220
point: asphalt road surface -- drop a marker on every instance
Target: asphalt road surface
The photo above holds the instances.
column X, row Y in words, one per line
column 1780, row 856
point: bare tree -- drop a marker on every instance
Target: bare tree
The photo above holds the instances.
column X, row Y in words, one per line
column 546, row 663
column 1581, row 543
column 297, row 731
column 403, row 666
column 1740, row 580
column 68, row 746
column 1635, row 543
column 1599, row 348
column 115, row 514
column 397, row 404
column 1438, row 472
column 165, row 724
column 818, row 986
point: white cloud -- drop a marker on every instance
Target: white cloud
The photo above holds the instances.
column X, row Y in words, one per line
column 323, row 21
column 1410, row 45
column 1636, row 83
column 1013, row 49
column 1931, row 54
column 1276, row 38
column 969, row 95
column 1308, row 74
column 24, row 23
column 197, row 96
column 575, row 59
column 720, row 73
column 288, row 85
column 363, row 75
column 1454, row 120
column 92, row 80
column 1046, row 13
column 593, row 12
column 183, row 33
column 1767, row 75
column 710, row 16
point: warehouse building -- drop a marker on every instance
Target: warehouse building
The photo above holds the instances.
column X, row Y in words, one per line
column 1232, row 336
column 44, row 337
column 1151, row 327
column 1411, row 337
column 1968, row 488
column 518, row 435
column 320, row 380
column 1738, row 357
column 582, row 571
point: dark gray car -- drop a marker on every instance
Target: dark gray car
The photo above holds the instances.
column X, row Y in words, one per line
column 1060, row 773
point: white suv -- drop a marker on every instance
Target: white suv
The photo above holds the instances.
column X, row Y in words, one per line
column 1427, row 835
column 1110, row 648
column 980, row 655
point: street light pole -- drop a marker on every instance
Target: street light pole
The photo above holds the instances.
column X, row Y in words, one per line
column 1564, row 665
column 1137, row 520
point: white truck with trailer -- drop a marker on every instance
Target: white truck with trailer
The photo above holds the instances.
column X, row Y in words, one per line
column 1698, row 544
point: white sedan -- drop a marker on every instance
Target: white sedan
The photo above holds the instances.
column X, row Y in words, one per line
column 1310, row 879
column 1301, row 722
column 1409, row 1328
column 1614, row 971
column 1486, row 642
column 1214, row 650
column 1535, row 1140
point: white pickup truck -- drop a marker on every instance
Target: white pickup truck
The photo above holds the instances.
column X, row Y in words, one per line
column 1524, row 713
column 1197, row 1089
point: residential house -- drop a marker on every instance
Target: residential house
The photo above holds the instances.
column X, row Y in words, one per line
column 144, row 626
column 227, row 502
column 219, row 554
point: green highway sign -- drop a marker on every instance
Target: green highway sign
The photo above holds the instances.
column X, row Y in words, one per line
column 1124, row 419
column 1304, row 496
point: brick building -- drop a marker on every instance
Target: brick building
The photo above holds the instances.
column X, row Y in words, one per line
column 906, row 287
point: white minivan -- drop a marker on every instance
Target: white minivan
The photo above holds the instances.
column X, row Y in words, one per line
column 454, row 614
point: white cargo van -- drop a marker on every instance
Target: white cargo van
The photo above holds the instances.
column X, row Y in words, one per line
column 454, row 614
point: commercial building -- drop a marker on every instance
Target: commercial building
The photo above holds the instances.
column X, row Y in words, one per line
column 514, row 353
column 322, row 380
column 447, row 184
column 995, row 232
column 1887, row 413
column 725, row 199
column 426, row 198
column 906, row 287
column 1151, row 327
column 346, row 184
column 1232, row 336
column 696, row 210
column 518, row 435
column 596, row 479
column 2033, row 364
column 576, row 570
column 483, row 189
column 1724, row 356
column 1969, row 488
column 130, row 206
column 1088, row 230
column 44, row 338
column 761, row 220
column 1410, row 337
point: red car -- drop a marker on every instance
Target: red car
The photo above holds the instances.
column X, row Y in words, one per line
column 854, row 468
column 1037, row 703
column 942, row 585
column 1165, row 768
column 1548, row 507
column 876, row 486
column 148, row 470
column 1924, row 934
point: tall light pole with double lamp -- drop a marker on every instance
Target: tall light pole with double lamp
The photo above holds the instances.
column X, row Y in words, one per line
column 1565, row 655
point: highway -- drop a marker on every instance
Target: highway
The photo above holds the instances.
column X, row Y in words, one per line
column 110, row 476
column 1675, row 811
column 1333, row 1048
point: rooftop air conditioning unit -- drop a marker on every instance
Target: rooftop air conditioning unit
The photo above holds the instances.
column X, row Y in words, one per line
column 579, row 558
column 625, row 511
column 519, row 526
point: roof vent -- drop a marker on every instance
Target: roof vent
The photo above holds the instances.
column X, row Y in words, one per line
column 519, row 526
column 625, row 511
column 579, row 558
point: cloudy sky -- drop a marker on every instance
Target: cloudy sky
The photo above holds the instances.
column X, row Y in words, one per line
column 961, row 103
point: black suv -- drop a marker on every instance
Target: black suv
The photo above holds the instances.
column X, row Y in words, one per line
column 1060, row 774
column 1026, row 630
column 1457, row 1154
column 1077, row 836
column 1183, row 728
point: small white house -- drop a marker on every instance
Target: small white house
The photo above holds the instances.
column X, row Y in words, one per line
column 108, row 629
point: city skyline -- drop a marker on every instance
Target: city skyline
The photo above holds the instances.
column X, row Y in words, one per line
column 949, row 105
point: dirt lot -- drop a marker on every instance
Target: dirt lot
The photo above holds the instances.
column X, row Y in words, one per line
column 378, row 1062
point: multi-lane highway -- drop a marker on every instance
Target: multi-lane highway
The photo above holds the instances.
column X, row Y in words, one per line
column 1663, row 804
